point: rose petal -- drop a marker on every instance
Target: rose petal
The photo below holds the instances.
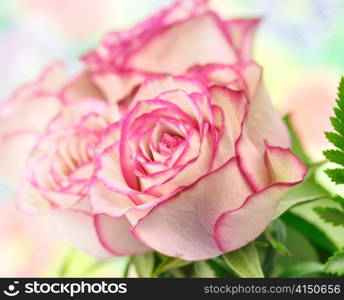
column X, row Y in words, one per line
column 72, row 113
column 283, row 165
column 169, row 53
column 28, row 118
column 78, row 227
column 50, row 81
column 236, row 228
column 186, row 220
column 153, row 86
column 251, row 161
column 264, row 123
column 242, row 32
column 81, row 87
column 115, row 236
column 249, row 220
column 105, row 201
column 117, row 85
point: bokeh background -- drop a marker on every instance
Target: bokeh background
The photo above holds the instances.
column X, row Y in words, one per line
column 300, row 44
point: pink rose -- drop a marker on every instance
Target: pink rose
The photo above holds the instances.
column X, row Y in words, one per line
column 26, row 115
column 198, row 168
column 58, row 174
column 166, row 141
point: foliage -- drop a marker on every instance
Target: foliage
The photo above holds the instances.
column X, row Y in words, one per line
column 336, row 138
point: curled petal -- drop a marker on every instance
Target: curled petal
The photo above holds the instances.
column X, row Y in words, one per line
column 283, row 165
column 233, row 105
column 249, row 220
column 251, row 161
column 242, row 33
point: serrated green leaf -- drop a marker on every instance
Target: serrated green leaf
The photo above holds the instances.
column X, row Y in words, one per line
column 335, row 139
column 335, row 264
column 169, row 263
column 335, row 156
column 336, row 175
column 340, row 92
column 330, row 215
column 245, row 262
column 337, row 125
column 339, row 112
column 144, row 264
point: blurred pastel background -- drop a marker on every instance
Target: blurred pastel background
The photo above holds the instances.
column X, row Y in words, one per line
column 300, row 44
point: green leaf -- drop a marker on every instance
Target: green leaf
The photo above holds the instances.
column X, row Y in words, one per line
column 170, row 263
column 335, row 156
column 335, row 139
column 67, row 263
column 310, row 230
column 127, row 268
column 276, row 235
column 303, row 269
column 307, row 221
column 339, row 200
column 339, row 112
column 336, row 175
column 277, row 245
column 330, row 215
column 144, row 264
column 220, row 268
column 296, row 145
column 245, row 262
column 203, row 270
column 301, row 250
column 337, row 125
column 335, row 264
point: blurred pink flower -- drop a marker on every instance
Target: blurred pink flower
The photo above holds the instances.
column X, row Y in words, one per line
column 78, row 19
column 310, row 103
